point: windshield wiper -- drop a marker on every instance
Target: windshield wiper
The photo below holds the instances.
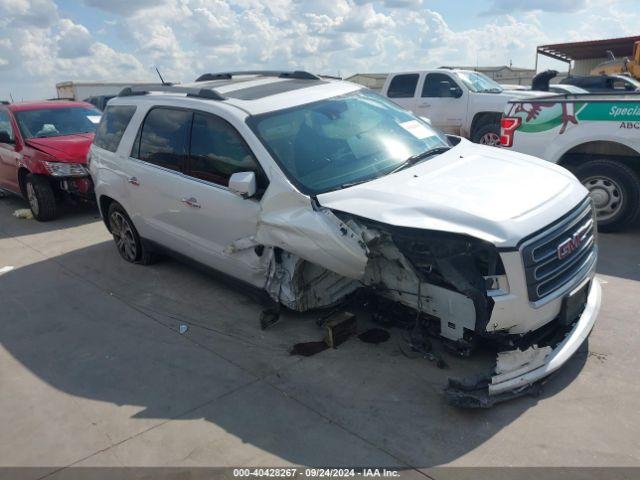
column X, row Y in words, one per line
column 413, row 159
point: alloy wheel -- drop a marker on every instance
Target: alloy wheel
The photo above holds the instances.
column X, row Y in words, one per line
column 490, row 138
column 124, row 237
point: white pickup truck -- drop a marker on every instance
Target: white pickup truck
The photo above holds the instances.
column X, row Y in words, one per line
column 596, row 136
column 459, row 102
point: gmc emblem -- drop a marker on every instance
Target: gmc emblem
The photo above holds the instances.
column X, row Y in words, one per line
column 571, row 244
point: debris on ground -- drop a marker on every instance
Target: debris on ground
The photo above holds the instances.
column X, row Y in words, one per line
column 269, row 317
column 23, row 213
column 339, row 327
column 374, row 335
column 183, row 329
column 306, row 349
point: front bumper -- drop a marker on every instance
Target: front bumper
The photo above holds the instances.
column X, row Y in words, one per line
column 520, row 371
column 558, row 356
column 78, row 186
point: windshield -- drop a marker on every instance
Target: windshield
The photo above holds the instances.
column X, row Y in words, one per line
column 340, row 141
column 479, row 83
column 632, row 81
column 56, row 122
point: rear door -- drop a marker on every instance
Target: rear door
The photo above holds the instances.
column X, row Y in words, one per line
column 403, row 90
column 443, row 102
column 8, row 155
column 155, row 176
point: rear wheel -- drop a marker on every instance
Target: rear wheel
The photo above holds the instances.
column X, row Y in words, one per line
column 41, row 198
column 615, row 190
column 488, row 134
column 128, row 242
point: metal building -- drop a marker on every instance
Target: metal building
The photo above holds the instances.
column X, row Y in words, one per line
column 583, row 56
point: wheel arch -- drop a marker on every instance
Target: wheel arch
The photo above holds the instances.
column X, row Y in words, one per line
column 606, row 149
column 22, row 176
column 482, row 118
column 104, row 203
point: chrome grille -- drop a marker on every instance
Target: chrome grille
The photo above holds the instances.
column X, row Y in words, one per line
column 564, row 250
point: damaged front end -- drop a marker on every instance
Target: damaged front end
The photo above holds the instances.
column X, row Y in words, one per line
column 456, row 285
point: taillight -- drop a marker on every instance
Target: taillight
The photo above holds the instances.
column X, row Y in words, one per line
column 508, row 125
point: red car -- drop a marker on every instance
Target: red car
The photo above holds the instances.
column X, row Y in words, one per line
column 43, row 152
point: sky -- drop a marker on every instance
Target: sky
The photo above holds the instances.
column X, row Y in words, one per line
column 43, row 42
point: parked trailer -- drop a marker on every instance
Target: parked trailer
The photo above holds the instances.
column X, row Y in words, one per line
column 596, row 136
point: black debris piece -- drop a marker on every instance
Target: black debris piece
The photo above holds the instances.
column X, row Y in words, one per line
column 339, row 327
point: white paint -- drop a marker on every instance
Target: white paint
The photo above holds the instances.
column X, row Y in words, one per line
column 485, row 192
column 6, row 269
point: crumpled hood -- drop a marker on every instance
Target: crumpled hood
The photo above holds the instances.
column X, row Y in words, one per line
column 68, row 148
column 486, row 192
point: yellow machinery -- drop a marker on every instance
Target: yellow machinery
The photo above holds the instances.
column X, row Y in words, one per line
column 626, row 65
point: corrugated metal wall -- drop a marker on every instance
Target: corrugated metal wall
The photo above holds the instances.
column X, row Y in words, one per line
column 583, row 67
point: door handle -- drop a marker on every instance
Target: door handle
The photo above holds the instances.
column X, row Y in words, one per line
column 133, row 181
column 425, row 105
column 192, row 202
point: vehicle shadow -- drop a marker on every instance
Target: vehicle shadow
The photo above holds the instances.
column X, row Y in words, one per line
column 93, row 327
column 70, row 215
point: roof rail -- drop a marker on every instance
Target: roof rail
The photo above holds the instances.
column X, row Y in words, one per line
column 207, row 93
column 296, row 74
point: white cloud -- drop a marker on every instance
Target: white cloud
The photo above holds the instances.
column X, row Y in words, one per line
column 39, row 50
column 122, row 7
column 510, row 6
column 185, row 38
column 74, row 40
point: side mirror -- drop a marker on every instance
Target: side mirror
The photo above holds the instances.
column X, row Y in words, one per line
column 243, row 184
column 455, row 92
column 5, row 137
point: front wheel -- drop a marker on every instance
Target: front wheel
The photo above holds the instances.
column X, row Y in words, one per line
column 41, row 197
column 615, row 190
column 128, row 242
column 488, row 134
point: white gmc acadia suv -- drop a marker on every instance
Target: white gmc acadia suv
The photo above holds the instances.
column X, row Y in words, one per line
column 311, row 188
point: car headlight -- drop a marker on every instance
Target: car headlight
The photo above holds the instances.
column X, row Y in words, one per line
column 61, row 169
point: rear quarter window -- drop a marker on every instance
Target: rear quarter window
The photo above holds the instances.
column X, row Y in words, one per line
column 112, row 126
column 403, row 86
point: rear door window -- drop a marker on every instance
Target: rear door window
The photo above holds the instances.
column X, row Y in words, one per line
column 403, row 86
column 218, row 151
column 163, row 139
column 112, row 126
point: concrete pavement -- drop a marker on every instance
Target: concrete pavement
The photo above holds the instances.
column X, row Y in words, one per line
column 93, row 372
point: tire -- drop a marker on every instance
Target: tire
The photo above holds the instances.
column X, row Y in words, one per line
column 615, row 190
column 128, row 241
column 41, row 197
column 488, row 134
